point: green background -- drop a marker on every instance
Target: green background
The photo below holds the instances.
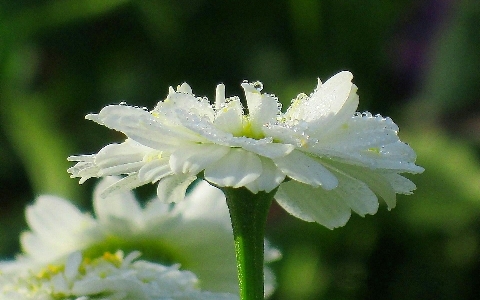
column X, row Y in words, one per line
column 416, row 61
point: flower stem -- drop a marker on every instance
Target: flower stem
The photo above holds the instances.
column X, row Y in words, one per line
column 248, row 213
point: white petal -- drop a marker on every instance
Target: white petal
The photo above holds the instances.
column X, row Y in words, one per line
column 229, row 116
column 155, row 170
column 329, row 208
column 237, row 168
column 141, row 126
column 128, row 182
column 285, row 134
column 263, row 147
column 330, row 123
column 54, row 219
column 327, row 99
column 82, row 158
column 219, row 96
column 115, row 155
column 193, row 158
column 184, row 98
column 262, row 108
column 56, row 224
column 37, row 247
column 72, row 265
column 376, row 180
column 400, row 184
column 361, row 132
column 369, row 141
column 271, row 253
column 306, row 169
column 59, row 284
column 184, row 88
column 400, row 157
column 112, row 115
column 270, row 283
column 122, row 205
column 330, row 97
column 270, row 178
column 156, row 213
column 311, row 204
column 83, row 169
column 121, row 169
column 173, row 188
column 356, row 194
column 201, row 201
column 203, row 127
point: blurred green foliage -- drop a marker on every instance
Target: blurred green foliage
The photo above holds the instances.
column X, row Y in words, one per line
column 417, row 62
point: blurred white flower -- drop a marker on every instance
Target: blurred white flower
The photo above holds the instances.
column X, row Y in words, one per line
column 108, row 277
column 195, row 233
column 336, row 160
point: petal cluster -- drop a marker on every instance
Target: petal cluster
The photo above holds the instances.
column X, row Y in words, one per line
column 194, row 233
column 108, row 277
column 326, row 158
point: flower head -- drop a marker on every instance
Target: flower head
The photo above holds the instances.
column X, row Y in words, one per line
column 336, row 160
column 109, row 277
column 194, row 233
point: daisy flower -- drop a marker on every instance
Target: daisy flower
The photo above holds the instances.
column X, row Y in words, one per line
column 108, row 277
column 325, row 158
column 194, row 233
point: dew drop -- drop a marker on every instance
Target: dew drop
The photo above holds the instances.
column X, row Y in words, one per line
column 258, row 85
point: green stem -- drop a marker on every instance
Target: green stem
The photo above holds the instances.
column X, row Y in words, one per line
column 248, row 213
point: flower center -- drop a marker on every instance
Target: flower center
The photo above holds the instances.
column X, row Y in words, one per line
column 151, row 249
column 248, row 130
column 49, row 271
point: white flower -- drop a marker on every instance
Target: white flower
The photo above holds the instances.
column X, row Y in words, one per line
column 336, row 160
column 108, row 277
column 195, row 233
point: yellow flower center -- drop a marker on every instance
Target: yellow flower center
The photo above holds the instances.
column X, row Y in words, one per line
column 50, row 271
column 248, row 131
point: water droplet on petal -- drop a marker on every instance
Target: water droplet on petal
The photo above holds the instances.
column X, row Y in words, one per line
column 258, row 85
